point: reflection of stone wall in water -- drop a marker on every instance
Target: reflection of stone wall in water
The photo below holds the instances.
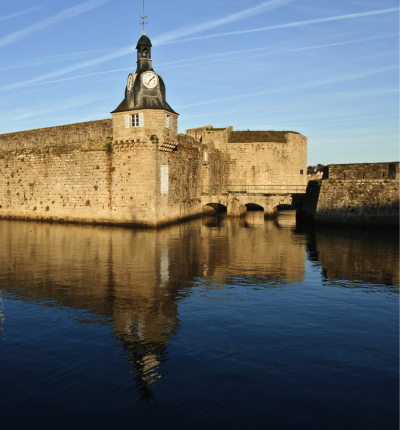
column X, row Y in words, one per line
column 286, row 219
column 239, row 247
column 116, row 282
column 367, row 256
column 132, row 276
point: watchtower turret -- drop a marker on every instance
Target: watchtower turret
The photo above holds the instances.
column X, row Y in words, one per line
column 144, row 109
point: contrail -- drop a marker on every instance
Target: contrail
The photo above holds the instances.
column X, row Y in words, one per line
column 69, row 69
column 314, row 83
column 23, row 12
column 174, row 64
column 290, row 24
column 65, row 14
column 205, row 26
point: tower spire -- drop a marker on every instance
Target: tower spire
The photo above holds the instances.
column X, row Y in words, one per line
column 143, row 17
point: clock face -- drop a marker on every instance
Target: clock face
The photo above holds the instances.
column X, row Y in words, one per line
column 150, row 79
column 130, row 82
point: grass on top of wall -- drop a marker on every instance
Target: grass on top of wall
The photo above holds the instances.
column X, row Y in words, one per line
column 258, row 136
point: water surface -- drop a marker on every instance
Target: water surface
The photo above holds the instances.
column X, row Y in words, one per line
column 214, row 323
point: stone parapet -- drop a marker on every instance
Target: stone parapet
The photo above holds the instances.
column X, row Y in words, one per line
column 362, row 171
column 90, row 135
column 357, row 202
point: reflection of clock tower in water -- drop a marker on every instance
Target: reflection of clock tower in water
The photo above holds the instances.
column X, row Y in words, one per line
column 144, row 110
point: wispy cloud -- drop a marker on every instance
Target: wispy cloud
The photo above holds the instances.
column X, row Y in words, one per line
column 208, row 25
column 188, row 62
column 55, row 59
column 65, row 14
column 298, row 104
column 22, row 12
column 311, row 84
column 69, row 69
column 265, row 52
column 287, row 25
column 70, row 103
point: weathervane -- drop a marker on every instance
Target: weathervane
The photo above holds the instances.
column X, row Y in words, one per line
column 143, row 18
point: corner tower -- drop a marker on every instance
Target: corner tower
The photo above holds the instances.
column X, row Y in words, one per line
column 144, row 110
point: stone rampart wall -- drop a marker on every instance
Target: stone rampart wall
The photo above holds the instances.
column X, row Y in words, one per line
column 362, row 171
column 80, row 181
column 268, row 163
column 81, row 186
column 68, row 173
column 90, row 135
column 353, row 202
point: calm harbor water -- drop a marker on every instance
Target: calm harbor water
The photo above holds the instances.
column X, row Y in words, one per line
column 214, row 323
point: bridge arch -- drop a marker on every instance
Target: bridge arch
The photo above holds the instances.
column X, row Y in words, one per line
column 214, row 207
column 251, row 207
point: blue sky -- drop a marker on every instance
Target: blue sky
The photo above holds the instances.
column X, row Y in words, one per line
column 328, row 70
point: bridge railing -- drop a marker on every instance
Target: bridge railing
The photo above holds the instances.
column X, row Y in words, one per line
column 253, row 189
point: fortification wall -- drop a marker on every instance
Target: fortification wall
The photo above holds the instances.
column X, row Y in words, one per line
column 70, row 184
column 212, row 137
column 82, row 181
column 362, row 171
column 90, row 136
column 187, row 175
column 353, row 202
column 268, row 163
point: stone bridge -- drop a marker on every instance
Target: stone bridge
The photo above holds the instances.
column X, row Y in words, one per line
column 237, row 204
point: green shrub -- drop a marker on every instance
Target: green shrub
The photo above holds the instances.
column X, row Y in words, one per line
column 154, row 138
column 34, row 208
column 108, row 148
column 47, row 208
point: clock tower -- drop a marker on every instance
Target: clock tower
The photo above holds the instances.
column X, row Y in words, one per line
column 144, row 110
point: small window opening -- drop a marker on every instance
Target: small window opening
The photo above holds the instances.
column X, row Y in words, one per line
column 135, row 120
column 383, row 174
column 145, row 52
column 169, row 121
column 363, row 175
column 301, row 172
column 345, row 176
column 392, row 171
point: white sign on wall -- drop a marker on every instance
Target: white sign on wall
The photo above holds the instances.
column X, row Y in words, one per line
column 164, row 178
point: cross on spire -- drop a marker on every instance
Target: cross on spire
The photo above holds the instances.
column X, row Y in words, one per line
column 143, row 18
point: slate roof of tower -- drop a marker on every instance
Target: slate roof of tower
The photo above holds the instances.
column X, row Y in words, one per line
column 144, row 40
